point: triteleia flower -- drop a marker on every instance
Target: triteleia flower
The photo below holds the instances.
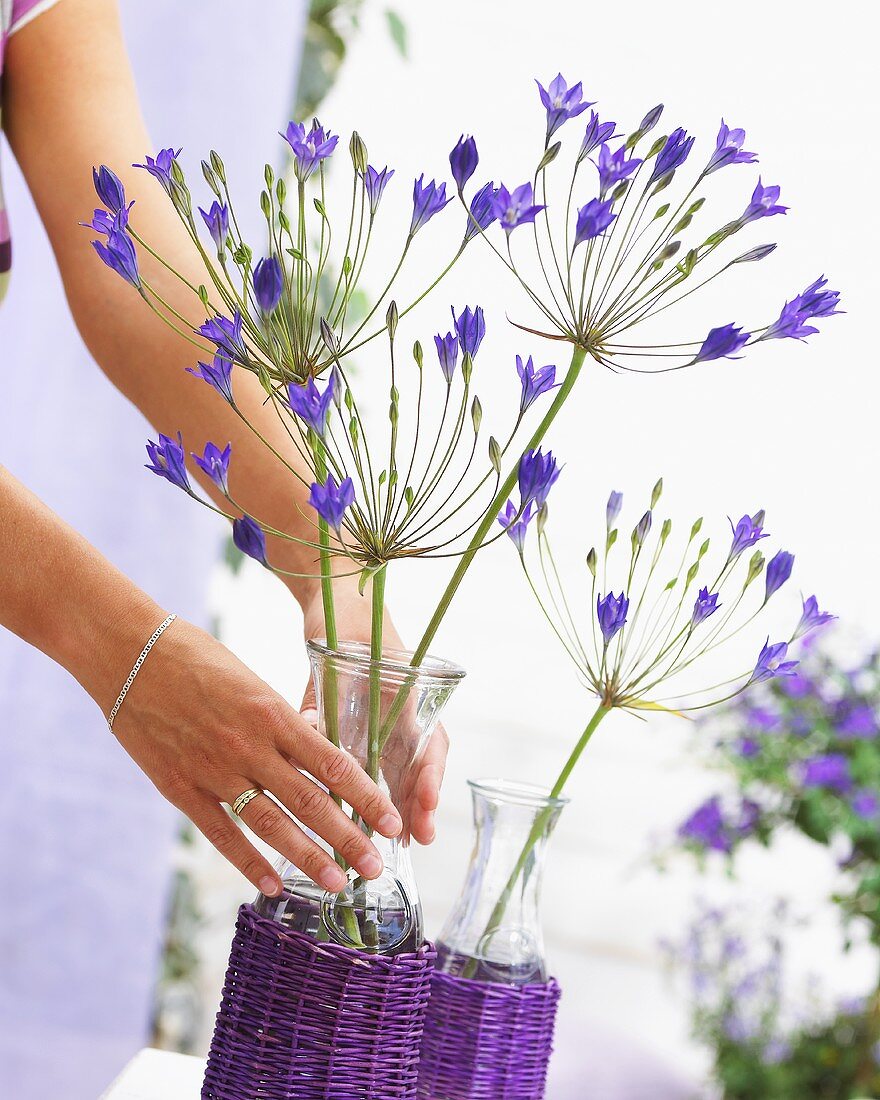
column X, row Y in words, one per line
column 614, row 167
column 597, row 133
column 858, row 722
column 248, row 536
column 168, row 460
column 865, row 804
column 215, row 463
column 227, row 335
column 729, row 150
column 830, row 770
column 706, row 605
column 812, row 618
column 536, row 476
column 482, row 211
column 650, row 120
column 813, row 302
column 674, row 153
column 722, row 343
column 642, row 528
column 778, row 572
column 612, row 509
column 428, row 200
column 217, row 221
column 268, row 280
column 217, row 374
column 160, row 167
column 330, row 500
column 470, row 328
column 109, row 188
column 763, row 205
column 771, row 662
column 748, row 747
column 447, row 353
column 746, row 532
column 463, row 161
column 374, row 184
column 592, row 220
column 611, row 612
column 309, row 149
column 515, row 208
column 104, row 222
column 517, row 528
column 310, row 405
column 534, row 381
column 561, row 102
column 120, row 256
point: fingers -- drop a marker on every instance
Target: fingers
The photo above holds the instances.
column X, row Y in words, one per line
column 315, row 808
column 427, row 788
column 219, row 828
column 309, row 709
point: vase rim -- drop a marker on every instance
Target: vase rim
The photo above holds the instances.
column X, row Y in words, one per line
column 522, row 794
column 394, row 662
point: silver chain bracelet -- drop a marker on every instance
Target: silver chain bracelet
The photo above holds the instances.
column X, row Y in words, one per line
column 137, row 667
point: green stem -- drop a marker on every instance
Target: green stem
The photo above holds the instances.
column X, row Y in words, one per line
column 375, row 718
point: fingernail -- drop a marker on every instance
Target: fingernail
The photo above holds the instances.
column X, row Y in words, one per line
column 370, row 866
column 390, row 825
column 310, row 715
column 331, row 878
column 270, row 886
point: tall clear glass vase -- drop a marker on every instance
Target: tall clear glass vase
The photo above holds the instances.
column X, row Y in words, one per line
column 383, row 714
column 493, row 933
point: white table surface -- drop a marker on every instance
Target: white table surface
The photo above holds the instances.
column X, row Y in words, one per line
column 158, row 1075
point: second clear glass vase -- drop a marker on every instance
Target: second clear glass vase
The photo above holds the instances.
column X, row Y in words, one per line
column 383, row 714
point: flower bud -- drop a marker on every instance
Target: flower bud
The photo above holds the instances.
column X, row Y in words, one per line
column 418, row 354
column 591, row 561
column 218, row 166
column 329, row 337
column 391, row 319
column 656, row 492
column 476, row 414
column 358, row 151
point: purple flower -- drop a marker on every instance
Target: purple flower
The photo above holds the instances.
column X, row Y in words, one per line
column 515, row 208
column 217, row 221
column 120, row 256
column 612, row 508
column 534, row 382
column 799, row 687
column 859, row 721
column 248, row 536
column 674, row 153
column 747, row 747
column 536, row 476
column 865, row 804
column 217, row 374
column 109, row 188
column 227, row 335
column 463, row 161
column 763, row 719
column 771, row 662
column 706, row 826
column 705, row 606
column 748, row 531
column 643, row 527
column 428, row 200
column 268, row 280
column 482, row 211
column 650, row 120
column 722, row 343
column 778, row 572
column 830, row 771
column 813, row 302
column 309, row 149
column 592, row 220
column 812, row 618
column 763, row 204
column 310, row 405
column 613, row 167
column 729, row 150
column 561, row 102
column 597, row 133
column 168, row 460
column 470, row 328
column 331, row 500
column 160, row 168
column 611, row 612
column 215, row 463
column 517, row 528
column 447, row 353
column 104, row 223
column 374, row 184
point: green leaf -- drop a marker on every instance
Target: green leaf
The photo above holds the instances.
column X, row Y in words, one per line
column 397, row 30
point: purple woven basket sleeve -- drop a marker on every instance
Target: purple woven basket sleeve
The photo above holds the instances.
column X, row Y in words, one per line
column 302, row 1020
column 487, row 1042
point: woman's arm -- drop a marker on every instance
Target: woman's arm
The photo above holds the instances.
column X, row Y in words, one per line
column 197, row 721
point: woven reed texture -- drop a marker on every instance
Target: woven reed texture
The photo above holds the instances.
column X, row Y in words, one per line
column 487, row 1042
column 302, row 1020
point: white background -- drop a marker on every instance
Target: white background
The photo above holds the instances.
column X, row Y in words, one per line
column 790, row 427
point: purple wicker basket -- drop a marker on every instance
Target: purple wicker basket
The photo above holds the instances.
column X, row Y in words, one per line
column 485, row 1041
column 302, row 1020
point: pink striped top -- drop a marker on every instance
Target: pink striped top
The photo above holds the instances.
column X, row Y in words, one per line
column 14, row 14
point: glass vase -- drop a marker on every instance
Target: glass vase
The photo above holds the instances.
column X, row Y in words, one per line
column 493, row 933
column 383, row 714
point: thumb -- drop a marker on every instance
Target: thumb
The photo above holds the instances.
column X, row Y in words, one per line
column 309, row 707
